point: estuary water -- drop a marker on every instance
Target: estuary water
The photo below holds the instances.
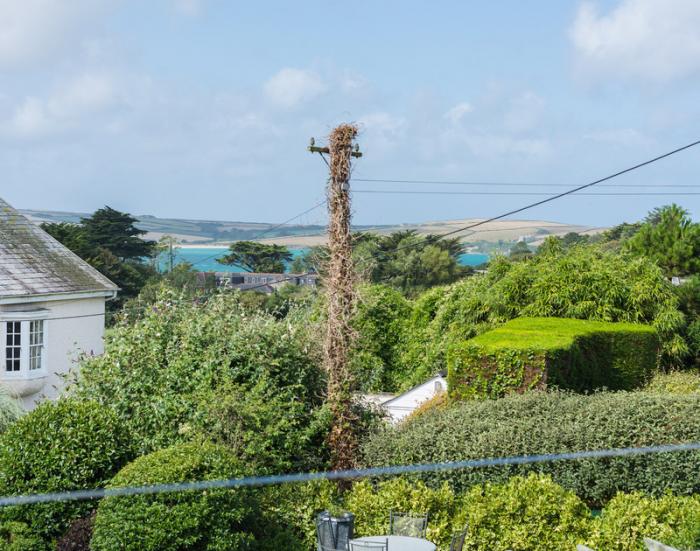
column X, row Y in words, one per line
column 204, row 259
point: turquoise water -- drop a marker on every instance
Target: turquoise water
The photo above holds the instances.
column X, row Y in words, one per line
column 204, row 259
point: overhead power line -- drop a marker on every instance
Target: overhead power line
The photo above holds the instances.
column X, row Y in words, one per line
column 516, row 193
column 510, row 184
column 573, row 190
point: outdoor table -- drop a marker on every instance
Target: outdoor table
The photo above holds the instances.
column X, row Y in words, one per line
column 400, row 543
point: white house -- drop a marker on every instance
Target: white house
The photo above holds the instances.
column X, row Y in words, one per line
column 52, row 307
column 400, row 406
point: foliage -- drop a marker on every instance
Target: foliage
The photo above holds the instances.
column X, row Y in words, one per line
column 296, row 506
column 62, row 445
column 10, row 409
column 115, row 231
column 17, row 536
column 154, row 371
column 584, row 282
column 669, row 237
column 78, row 536
column 528, row 353
column 554, row 422
column 520, row 251
column 371, row 506
column 380, row 322
column 524, row 513
column 215, row 519
column 257, row 257
column 408, row 261
column 267, row 428
column 110, row 242
column 628, row 518
column 675, row 382
column 689, row 302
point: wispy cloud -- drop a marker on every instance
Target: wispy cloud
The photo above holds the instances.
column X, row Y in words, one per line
column 292, row 87
column 656, row 40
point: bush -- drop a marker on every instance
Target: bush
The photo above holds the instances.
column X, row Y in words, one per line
column 17, row 536
column 380, row 322
column 62, row 445
column 270, row 430
column 675, row 382
column 524, row 513
column 583, row 283
column 10, row 409
column 630, row 517
column 207, row 520
column 371, row 506
column 296, row 506
column 554, row 422
column 153, row 373
column 529, row 353
column 78, row 536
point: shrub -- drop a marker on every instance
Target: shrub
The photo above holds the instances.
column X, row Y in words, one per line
column 78, row 536
column 528, row 353
column 554, row 422
column 583, row 283
column 10, row 409
column 524, row 513
column 17, row 536
column 296, row 506
column 271, row 430
column 62, row 445
column 154, row 371
column 372, row 504
column 380, row 322
column 207, row 520
column 675, row 382
column 630, row 517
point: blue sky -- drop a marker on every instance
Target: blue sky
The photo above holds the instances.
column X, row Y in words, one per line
column 203, row 108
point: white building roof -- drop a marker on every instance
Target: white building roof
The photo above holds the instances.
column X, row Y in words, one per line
column 34, row 263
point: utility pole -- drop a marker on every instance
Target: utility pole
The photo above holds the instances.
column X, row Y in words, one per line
column 339, row 284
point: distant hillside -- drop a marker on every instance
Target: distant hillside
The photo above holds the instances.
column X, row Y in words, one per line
column 221, row 232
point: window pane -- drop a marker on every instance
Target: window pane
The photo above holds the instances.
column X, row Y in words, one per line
column 36, row 343
column 13, row 345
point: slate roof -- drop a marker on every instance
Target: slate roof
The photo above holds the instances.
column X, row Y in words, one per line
column 34, row 263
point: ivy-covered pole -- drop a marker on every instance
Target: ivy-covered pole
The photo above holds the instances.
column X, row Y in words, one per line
column 339, row 285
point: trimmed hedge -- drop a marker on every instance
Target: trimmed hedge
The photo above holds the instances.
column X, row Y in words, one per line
column 62, row 445
column 628, row 518
column 371, row 506
column 524, row 513
column 536, row 353
column 554, row 422
column 206, row 520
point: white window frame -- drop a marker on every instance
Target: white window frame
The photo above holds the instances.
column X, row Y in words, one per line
column 24, row 318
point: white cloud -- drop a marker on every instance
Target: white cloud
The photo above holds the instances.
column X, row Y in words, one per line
column 382, row 130
column 34, row 29
column 458, row 112
column 69, row 103
column 656, row 40
column 291, row 87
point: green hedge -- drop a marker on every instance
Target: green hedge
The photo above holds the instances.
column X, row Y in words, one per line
column 210, row 520
column 628, row 518
column 530, row 353
column 524, row 513
column 554, row 422
column 62, row 445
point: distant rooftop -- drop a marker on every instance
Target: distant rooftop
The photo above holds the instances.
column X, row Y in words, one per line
column 34, row 263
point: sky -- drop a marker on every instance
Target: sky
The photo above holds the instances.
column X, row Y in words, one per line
column 203, row 109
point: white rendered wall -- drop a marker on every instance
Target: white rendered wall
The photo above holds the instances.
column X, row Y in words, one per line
column 72, row 327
